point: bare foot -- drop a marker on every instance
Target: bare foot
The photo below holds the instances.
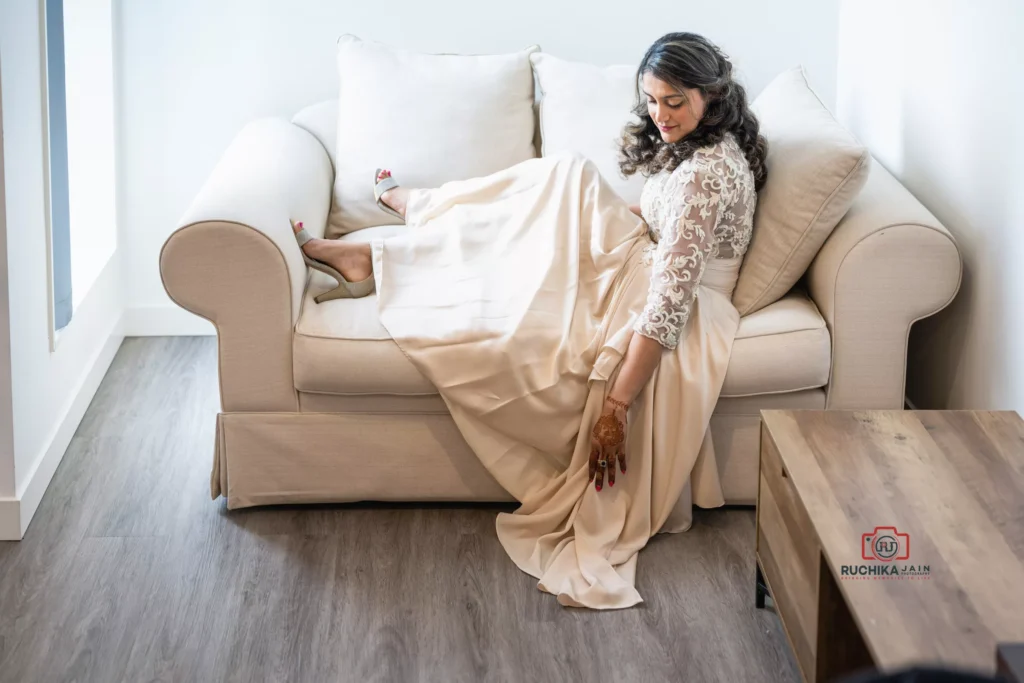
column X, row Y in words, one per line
column 396, row 197
column 350, row 259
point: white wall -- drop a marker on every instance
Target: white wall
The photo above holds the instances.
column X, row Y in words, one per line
column 935, row 91
column 193, row 72
column 50, row 390
column 6, row 391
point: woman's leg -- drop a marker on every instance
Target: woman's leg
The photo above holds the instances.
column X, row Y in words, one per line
column 353, row 260
column 350, row 259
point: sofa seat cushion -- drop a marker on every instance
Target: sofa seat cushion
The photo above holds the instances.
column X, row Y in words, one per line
column 341, row 348
column 782, row 347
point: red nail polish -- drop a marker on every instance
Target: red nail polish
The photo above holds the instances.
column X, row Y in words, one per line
column 611, row 483
column 598, row 487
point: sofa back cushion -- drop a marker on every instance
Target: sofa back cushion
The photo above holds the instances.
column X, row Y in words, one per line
column 429, row 118
column 816, row 168
column 583, row 109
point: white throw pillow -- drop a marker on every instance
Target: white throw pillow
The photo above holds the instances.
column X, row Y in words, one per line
column 429, row 118
column 816, row 168
column 583, row 109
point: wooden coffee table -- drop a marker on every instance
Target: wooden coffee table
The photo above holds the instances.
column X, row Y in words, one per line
column 892, row 538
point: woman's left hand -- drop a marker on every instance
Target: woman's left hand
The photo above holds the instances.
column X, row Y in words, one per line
column 608, row 444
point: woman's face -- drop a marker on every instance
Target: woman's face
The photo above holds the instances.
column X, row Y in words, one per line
column 675, row 112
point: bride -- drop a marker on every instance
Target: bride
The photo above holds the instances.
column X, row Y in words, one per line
column 574, row 337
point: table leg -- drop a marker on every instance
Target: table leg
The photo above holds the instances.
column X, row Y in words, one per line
column 761, row 588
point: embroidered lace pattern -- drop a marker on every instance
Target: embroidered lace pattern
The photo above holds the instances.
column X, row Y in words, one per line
column 702, row 210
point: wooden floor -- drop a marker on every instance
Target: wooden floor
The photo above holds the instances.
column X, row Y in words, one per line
column 129, row 572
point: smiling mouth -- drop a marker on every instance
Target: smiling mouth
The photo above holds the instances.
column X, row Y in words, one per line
column 665, row 128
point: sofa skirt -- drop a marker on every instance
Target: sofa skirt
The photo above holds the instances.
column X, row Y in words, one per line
column 278, row 458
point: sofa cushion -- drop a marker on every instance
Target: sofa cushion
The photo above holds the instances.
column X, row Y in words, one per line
column 429, row 118
column 816, row 168
column 583, row 109
column 782, row 347
column 341, row 348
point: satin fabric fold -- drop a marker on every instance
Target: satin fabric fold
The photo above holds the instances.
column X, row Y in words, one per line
column 515, row 294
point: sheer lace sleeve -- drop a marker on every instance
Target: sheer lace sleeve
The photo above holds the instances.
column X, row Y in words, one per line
column 684, row 248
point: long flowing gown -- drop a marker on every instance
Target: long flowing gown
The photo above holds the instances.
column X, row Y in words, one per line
column 516, row 295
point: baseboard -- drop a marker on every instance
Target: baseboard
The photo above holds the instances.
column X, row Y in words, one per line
column 10, row 520
column 17, row 513
column 165, row 321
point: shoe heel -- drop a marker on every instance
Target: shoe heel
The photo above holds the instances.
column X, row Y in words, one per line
column 348, row 290
column 339, row 292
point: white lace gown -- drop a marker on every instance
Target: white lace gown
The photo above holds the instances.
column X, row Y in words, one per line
column 517, row 294
column 701, row 211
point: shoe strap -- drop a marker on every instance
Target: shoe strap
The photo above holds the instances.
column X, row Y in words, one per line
column 302, row 237
column 383, row 186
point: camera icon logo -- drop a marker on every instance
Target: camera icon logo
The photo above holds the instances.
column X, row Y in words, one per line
column 885, row 544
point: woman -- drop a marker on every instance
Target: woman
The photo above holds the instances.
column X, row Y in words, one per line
column 539, row 305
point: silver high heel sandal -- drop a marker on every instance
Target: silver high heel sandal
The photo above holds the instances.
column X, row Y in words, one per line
column 382, row 186
column 345, row 289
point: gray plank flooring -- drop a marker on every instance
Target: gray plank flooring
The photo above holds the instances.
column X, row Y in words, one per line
column 129, row 572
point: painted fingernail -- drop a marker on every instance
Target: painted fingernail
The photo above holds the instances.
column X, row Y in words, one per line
column 611, row 483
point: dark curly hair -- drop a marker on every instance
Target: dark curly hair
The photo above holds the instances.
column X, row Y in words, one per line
column 688, row 60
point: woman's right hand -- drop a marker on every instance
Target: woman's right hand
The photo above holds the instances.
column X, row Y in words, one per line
column 608, row 444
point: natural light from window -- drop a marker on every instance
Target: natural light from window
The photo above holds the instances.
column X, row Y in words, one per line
column 88, row 42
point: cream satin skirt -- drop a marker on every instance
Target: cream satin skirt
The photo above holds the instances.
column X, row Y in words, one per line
column 515, row 295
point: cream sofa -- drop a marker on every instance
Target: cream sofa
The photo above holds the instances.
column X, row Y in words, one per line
column 319, row 405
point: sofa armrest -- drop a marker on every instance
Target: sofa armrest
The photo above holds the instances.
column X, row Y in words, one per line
column 888, row 263
column 235, row 262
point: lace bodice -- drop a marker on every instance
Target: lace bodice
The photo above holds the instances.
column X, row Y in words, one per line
column 704, row 209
